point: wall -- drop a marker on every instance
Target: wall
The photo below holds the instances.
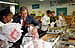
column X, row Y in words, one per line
column 46, row 5
column 70, row 8
column 2, row 6
column 12, row 7
column 43, row 6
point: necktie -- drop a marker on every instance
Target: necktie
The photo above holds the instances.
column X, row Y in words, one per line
column 23, row 23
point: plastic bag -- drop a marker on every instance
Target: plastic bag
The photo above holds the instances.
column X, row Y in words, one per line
column 32, row 31
column 11, row 31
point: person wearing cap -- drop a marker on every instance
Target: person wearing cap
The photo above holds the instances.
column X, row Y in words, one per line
column 6, row 16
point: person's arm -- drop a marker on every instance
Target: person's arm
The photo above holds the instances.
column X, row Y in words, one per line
column 35, row 23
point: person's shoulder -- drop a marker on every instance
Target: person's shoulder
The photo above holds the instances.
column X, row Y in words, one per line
column 18, row 18
column 44, row 16
column 30, row 16
column 1, row 23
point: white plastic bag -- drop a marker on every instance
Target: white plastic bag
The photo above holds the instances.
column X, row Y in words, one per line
column 11, row 31
column 31, row 42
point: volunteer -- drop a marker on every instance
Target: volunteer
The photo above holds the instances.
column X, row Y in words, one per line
column 5, row 17
column 45, row 22
column 24, row 19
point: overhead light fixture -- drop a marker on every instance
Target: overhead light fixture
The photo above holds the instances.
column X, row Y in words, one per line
column 41, row 0
column 8, row 3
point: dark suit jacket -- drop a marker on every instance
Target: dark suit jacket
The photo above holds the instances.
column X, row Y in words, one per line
column 29, row 20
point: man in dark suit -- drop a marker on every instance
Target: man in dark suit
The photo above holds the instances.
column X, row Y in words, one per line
column 24, row 15
column 24, row 19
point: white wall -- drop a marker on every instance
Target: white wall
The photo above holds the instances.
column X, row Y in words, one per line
column 46, row 5
column 43, row 6
column 70, row 8
column 12, row 8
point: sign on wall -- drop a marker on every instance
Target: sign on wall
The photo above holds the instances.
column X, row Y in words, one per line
column 61, row 11
column 35, row 6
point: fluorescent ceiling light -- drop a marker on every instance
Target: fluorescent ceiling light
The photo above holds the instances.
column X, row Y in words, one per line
column 41, row 0
column 8, row 3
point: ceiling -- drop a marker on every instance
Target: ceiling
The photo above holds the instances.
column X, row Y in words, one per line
column 50, row 0
column 58, row 1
